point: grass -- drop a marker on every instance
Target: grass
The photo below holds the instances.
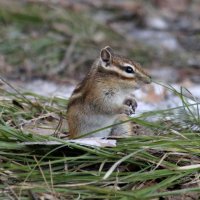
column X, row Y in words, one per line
column 37, row 39
column 141, row 167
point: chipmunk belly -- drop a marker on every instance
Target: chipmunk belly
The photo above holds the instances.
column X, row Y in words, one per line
column 113, row 96
column 95, row 122
column 119, row 98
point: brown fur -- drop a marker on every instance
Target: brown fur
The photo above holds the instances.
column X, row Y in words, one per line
column 98, row 99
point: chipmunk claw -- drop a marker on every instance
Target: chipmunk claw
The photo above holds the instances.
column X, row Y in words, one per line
column 131, row 102
column 125, row 109
column 128, row 110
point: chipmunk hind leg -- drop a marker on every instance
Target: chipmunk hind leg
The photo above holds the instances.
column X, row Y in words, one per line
column 124, row 129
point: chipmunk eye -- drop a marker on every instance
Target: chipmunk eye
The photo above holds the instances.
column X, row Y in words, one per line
column 129, row 69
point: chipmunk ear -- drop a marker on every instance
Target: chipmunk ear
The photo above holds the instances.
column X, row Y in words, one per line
column 106, row 55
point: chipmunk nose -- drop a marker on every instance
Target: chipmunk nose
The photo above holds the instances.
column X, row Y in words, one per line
column 148, row 80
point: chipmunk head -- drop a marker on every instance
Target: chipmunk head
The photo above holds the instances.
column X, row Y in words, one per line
column 127, row 72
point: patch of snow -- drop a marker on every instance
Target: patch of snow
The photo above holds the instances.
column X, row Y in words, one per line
column 157, row 23
column 171, row 101
column 94, row 142
column 47, row 88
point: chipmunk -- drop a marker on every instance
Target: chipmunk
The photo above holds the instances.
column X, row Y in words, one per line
column 104, row 97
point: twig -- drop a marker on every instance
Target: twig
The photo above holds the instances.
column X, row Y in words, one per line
column 65, row 61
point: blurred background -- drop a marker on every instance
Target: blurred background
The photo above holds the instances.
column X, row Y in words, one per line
column 47, row 46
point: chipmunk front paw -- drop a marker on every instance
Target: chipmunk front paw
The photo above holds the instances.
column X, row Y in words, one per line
column 131, row 103
column 127, row 110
